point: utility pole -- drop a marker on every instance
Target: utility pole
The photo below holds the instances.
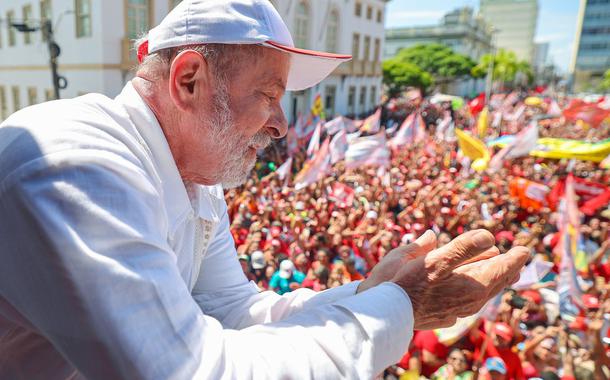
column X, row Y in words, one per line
column 59, row 82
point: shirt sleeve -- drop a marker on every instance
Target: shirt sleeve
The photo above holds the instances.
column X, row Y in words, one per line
column 223, row 291
column 86, row 261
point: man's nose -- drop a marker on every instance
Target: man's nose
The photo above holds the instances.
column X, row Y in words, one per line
column 277, row 123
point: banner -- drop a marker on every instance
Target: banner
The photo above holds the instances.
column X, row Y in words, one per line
column 315, row 168
column 411, row 131
column 368, row 150
column 283, row 172
column 338, row 147
column 530, row 194
column 474, row 149
column 372, row 124
column 339, row 123
column 570, row 293
column 522, row 145
column 585, row 189
column 314, row 142
column 548, row 147
column 590, row 113
column 532, row 274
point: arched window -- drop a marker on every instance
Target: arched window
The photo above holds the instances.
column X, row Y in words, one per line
column 332, row 32
column 301, row 27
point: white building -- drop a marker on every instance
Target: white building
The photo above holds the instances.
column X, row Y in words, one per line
column 514, row 22
column 95, row 40
column 353, row 27
column 96, row 36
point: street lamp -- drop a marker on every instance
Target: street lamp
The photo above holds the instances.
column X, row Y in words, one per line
column 59, row 82
column 490, row 68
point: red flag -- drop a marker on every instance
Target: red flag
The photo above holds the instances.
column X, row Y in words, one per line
column 590, row 113
column 477, row 104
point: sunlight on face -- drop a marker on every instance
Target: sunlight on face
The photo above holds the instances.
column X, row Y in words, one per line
column 237, row 156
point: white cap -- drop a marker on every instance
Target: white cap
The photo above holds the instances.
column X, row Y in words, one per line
column 371, row 214
column 257, row 260
column 286, row 268
column 194, row 22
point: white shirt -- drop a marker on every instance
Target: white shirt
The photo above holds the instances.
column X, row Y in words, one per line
column 111, row 269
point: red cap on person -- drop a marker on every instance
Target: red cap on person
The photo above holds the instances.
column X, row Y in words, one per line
column 504, row 331
column 532, row 295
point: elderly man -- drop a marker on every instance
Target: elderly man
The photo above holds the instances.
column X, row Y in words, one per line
column 117, row 259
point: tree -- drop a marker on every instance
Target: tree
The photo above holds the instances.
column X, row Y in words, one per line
column 506, row 67
column 438, row 60
column 605, row 83
column 399, row 75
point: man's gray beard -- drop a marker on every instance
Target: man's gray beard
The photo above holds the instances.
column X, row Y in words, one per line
column 231, row 148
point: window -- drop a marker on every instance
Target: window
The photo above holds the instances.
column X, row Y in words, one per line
column 27, row 16
column 377, row 57
column 379, row 16
column 138, row 18
column 82, row 11
column 329, row 101
column 356, row 46
column 367, row 48
column 49, row 94
column 362, row 100
column 45, row 14
column 16, row 96
column 10, row 17
column 32, row 96
column 3, row 106
column 373, row 96
column 351, row 100
column 369, row 13
column 301, row 32
column 332, row 31
column 358, row 10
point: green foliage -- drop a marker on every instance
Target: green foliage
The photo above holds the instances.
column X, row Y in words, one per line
column 605, row 83
column 438, row 60
column 399, row 75
column 506, row 66
column 423, row 65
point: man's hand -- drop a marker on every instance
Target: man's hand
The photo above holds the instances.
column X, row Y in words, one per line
column 396, row 258
column 457, row 279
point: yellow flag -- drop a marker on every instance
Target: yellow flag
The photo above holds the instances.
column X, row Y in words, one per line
column 482, row 122
column 474, row 149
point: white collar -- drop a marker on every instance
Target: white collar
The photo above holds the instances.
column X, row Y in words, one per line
column 174, row 194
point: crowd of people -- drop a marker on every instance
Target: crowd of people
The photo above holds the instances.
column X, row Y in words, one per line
column 313, row 238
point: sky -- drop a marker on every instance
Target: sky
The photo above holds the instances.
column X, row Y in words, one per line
column 556, row 21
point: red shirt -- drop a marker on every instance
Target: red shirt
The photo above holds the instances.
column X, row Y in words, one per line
column 426, row 340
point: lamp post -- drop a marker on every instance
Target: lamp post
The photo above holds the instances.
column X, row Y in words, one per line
column 490, row 68
column 59, row 82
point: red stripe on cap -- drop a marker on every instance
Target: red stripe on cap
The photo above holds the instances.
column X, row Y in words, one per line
column 312, row 53
column 142, row 51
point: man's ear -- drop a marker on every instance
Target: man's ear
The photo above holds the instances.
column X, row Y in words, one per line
column 189, row 80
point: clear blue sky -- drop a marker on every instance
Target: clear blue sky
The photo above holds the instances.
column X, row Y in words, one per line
column 556, row 21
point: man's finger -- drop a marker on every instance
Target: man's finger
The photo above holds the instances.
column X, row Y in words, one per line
column 498, row 272
column 491, row 252
column 461, row 249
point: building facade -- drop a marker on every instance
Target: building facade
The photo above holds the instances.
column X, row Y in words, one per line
column 353, row 27
column 96, row 40
column 514, row 23
column 461, row 30
column 591, row 56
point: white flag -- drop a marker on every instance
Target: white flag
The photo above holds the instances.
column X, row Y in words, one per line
column 338, row 147
column 369, row 150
